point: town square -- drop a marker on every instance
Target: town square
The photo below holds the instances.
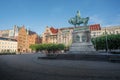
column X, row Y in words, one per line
column 59, row 40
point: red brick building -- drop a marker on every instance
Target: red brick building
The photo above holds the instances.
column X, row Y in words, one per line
column 25, row 39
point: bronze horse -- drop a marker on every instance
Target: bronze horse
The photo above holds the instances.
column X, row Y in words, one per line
column 78, row 21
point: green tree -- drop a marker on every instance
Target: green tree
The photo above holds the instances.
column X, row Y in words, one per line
column 113, row 41
column 51, row 47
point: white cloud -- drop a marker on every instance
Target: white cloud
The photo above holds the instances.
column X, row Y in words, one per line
column 96, row 20
column 105, row 22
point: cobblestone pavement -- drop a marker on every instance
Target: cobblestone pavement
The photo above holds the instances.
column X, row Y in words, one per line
column 29, row 67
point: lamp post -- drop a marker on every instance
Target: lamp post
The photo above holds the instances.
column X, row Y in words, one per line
column 106, row 41
column 95, row 42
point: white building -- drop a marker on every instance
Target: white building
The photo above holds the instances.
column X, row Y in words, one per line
column 8, row 45
column 64, row 36
column 108, row 30
column 10, row 33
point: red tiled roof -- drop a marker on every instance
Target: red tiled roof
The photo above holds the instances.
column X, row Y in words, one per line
column 95, row 27
column 53, row 30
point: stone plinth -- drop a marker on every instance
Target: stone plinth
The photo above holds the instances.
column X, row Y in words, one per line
column 81, row 41
column 82, row 48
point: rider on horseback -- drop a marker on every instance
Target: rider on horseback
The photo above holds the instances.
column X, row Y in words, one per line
column 77, row 20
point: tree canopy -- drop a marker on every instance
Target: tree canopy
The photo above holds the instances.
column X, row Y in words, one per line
column 48, row 47
column 113, row 42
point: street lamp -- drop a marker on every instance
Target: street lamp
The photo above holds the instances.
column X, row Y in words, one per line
column 95, row 41
column 106, row 41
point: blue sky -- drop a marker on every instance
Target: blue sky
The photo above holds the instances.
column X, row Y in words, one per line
column 37, row 14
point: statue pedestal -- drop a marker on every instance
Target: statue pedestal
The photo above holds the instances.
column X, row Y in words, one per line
column 81, row 41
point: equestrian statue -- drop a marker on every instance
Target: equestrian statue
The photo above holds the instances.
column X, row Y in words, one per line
column 77, row 20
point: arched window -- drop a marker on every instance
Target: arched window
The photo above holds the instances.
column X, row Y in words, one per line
column 84, row 38
column 77, row 38
column 117, row 32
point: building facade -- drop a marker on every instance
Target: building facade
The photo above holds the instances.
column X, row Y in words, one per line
column 25, row 39
column 22, row 40
column 108, row 30
column 4, row 33
column 62, row 35
column 8, row 45
column 14, row 32
column 95, row 30
column 11, row 33
column 50, row 35
column 23, row 36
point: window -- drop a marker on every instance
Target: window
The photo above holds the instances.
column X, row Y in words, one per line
column 110, row 32
column 117, row 32
column 103, row 33
column 77, row 38
column 84, row 38
column 113, row 32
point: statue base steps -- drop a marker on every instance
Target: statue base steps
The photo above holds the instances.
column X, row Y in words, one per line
column 82, row 48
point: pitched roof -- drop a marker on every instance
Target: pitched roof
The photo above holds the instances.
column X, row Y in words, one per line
column 53, row 30
column 95, row 27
